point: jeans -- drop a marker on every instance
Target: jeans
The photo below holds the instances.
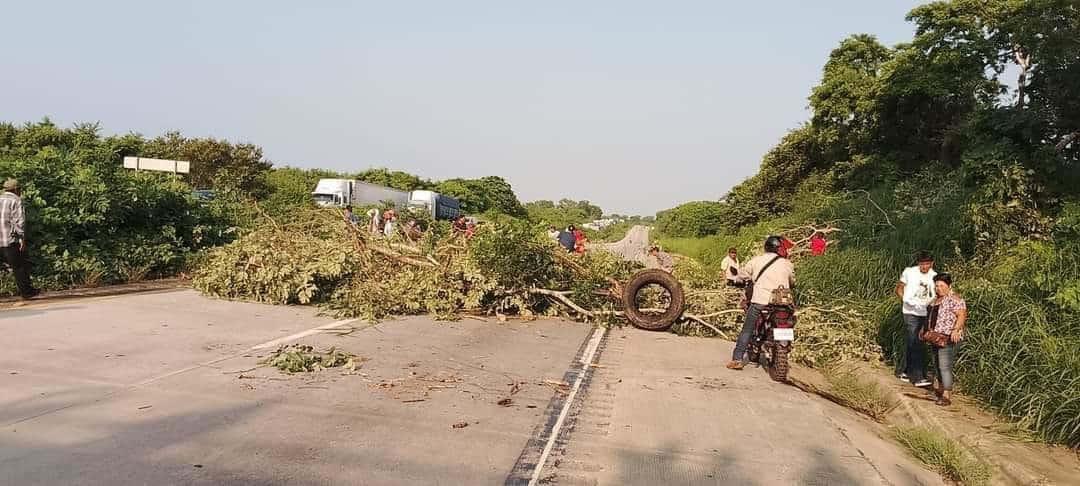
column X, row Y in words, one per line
column 915, row 356
column 943, row 361
column 16, row 259
column 752, row 313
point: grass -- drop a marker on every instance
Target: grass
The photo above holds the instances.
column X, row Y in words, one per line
column 944, row 455
column 863, row 395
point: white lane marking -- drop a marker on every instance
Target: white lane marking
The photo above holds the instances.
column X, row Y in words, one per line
column 302, row 334
column 586, row 359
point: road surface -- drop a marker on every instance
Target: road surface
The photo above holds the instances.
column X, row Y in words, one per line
column 165, row 388
column 633, row 247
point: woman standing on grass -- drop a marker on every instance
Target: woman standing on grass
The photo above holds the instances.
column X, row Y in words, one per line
column 948, row 317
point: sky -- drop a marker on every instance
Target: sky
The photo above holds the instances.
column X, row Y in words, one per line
column 636, row 106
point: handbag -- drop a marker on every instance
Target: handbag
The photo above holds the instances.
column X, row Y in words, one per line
column 780, row 296
column 934, row 338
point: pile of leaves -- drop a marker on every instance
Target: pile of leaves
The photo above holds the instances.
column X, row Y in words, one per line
column 299, row 358
column 508, row 267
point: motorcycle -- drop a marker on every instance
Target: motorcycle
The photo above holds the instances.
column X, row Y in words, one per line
column 773, row 336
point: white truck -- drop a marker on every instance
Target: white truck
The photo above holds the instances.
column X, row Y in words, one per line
column 344, row 192
column 439, row 206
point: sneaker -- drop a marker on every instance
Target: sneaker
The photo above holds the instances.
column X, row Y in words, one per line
column 903, row 377
column 923, row 383
column 735, row 365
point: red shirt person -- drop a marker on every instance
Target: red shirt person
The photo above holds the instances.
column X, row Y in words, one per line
column 579, row 241
column 818, row 244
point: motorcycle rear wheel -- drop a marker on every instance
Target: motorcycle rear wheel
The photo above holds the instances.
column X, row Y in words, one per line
column 778, row 363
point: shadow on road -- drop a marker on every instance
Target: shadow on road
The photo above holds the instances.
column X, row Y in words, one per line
column 669, row 464
column 17, row 313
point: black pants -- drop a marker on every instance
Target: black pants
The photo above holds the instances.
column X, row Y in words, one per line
column 16, row 259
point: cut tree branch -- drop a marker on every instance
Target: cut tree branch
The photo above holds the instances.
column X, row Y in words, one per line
column 561, row 296
column 883, row 213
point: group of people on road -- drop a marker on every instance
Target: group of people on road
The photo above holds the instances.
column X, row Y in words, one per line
column 934, row 314
column 13, row 241
column 572, row 239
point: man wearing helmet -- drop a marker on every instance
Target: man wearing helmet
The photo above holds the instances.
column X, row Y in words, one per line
column 766, row 273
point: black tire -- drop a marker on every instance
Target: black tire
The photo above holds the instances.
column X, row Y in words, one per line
column 653, row 322
column 753, row 353
column 778, row 366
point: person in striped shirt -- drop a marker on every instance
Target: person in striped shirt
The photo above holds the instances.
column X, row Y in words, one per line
column 13, row 237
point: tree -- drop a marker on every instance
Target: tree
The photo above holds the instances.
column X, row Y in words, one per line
column 564, row 213
column 484, row 194
column 693, row 219
column 396, row 179
column 845, row 102
column 216, row 164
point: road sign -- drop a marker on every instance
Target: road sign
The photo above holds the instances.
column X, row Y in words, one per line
column 161, row 165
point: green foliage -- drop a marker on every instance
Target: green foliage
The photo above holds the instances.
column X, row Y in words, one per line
column 396, row 179
column 486, row 194
column 289, row 189
column 514, row 254
column 215, row 164
column 299, row 358
column 564, row 213
column 692, row 219
column 89, row 220
column 856, row 392
column 317, row 258
column 944, row 455
column 295, row 264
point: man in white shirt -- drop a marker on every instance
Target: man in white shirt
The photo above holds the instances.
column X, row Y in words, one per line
column 766, row 273
column 730, row 266
column 916, row 291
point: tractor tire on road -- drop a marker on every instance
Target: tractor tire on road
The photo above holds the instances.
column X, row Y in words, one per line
column 650, row 321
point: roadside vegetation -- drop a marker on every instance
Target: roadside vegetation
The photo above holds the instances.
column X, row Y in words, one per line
column 964, row 142
column 944, row 455
column 859, row 393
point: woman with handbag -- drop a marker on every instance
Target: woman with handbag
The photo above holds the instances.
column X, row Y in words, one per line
column 948, row 318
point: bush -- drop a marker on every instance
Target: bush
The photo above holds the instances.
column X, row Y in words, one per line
column 858, row 393
column 92, row 222
column 944, row 455
column 693, row 219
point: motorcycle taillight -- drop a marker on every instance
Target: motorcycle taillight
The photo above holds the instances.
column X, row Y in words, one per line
column 783, row 319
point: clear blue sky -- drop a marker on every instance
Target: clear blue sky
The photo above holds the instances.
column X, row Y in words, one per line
column 636, row 106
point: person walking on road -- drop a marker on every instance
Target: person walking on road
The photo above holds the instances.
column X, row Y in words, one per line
column 730, row 266
column 766, row 273
column 663, row 259
column 13, row 238
column 947, row 321
column 916, row 292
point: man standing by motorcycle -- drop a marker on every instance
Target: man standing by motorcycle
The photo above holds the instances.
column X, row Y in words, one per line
column 765, row 273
